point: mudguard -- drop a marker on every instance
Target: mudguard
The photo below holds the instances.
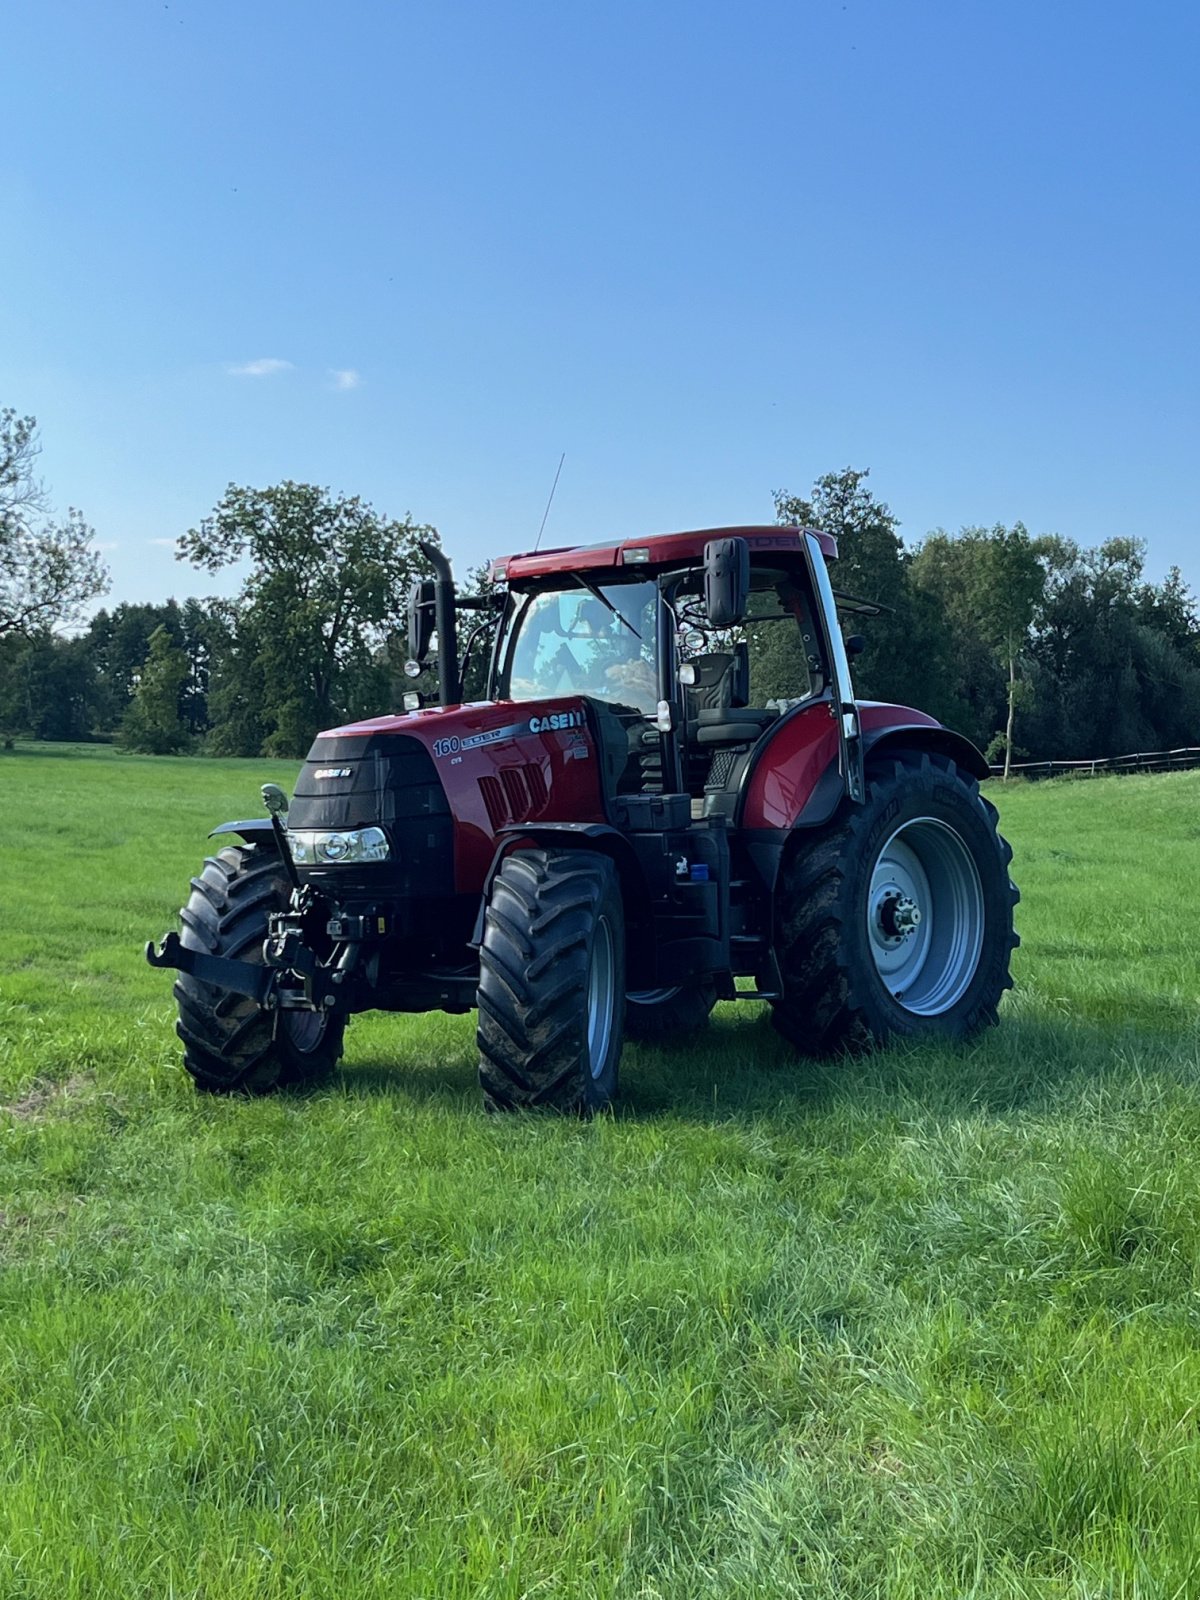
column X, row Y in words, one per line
column 592, row 835
column 794, row 780
column 256, row 831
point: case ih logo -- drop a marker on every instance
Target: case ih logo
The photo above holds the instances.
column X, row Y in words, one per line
column 332, row 772
column 556, row 721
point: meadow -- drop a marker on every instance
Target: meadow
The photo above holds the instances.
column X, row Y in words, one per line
column 925, row 1324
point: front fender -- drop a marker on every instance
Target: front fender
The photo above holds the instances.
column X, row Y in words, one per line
column 256, row 831
column 561, row 835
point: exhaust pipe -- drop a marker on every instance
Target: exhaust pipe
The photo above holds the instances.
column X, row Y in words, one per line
column 449, row 687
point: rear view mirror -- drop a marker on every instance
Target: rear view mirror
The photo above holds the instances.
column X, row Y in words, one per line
column 420, row 618
column 726, row 581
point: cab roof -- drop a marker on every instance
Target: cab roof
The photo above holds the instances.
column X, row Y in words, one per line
column 659, row 550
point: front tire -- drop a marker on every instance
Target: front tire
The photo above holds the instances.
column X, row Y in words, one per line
column 551, row 982
column 230, row 1044
column 896, row 921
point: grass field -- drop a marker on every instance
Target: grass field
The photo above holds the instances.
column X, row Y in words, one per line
column 926, row 1324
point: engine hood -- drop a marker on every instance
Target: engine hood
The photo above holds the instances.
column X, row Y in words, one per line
column 500, row 763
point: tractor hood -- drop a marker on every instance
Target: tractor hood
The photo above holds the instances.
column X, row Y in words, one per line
column 487, row 767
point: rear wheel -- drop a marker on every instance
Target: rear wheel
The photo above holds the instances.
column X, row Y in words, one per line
column 897, row 920
column 551, row 978
column 657, row 1016
column 230, row 1043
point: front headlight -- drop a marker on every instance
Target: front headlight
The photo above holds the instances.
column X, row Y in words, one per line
column 327, row 847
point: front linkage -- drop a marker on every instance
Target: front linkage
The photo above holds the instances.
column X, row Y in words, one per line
column 292, row 976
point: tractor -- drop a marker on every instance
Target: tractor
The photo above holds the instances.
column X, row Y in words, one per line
column 609, row 842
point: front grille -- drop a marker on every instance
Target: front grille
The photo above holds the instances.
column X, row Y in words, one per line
column 385, row 780
column 375, row 778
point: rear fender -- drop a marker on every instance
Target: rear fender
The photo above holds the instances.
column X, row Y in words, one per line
column 937, row 740
column 797, row 782
column 794, row 780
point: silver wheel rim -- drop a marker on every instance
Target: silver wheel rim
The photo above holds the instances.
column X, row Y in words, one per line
column 652, row 997
column 601, row 996
column 304, row 1029
column 925, row 917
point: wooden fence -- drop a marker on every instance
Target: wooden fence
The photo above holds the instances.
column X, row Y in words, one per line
column 1154, row 761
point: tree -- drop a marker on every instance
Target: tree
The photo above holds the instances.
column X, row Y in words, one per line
column 329, row 580
column 988, row 584
column 118, row 641
column 48, row 570
column 49, row 688
column 1113, row 660
column 908, row 658
column 152, row 723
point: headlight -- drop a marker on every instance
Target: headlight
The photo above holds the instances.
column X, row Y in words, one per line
column 326, row 847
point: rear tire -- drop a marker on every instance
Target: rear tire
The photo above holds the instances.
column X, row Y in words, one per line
column 659, row 1016
column 551, row 981
column 230, row 1043
column 859, row 968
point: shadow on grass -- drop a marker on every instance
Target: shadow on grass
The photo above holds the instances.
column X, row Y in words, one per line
column 450, row 1083
column 742, row 1069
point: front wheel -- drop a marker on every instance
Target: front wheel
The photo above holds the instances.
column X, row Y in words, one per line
column 230, row 1043
column 897, row 920
column 551, row 981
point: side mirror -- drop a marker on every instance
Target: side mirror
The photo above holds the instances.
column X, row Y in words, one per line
column 726, row 581
column 855, row 644
column 420, row 618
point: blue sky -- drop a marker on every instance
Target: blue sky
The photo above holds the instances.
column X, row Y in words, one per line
column 706, row 250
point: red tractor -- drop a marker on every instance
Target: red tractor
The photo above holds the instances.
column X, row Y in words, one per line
column 609, row 841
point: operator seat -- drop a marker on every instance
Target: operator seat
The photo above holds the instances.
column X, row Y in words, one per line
column 718, row 718
column 717, row 711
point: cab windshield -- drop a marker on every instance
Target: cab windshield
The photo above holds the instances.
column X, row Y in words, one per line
column 599, row 641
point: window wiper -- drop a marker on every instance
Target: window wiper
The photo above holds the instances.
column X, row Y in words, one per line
column 605, row 601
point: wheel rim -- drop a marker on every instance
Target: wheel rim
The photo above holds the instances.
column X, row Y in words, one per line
column 925, row 916
column 601, row 996
column 652, row 997
column 304, row 1029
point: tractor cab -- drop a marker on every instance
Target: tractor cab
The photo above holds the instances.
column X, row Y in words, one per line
column 688, row 649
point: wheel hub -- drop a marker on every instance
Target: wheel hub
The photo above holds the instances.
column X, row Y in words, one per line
column 899, row 915
column 925, row 916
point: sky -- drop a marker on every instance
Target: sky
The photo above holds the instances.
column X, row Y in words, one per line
column 417, row 252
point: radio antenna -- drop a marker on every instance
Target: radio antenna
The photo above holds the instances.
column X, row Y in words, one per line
column 549, row 502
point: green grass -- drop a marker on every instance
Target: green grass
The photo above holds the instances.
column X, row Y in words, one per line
column 926, row 1324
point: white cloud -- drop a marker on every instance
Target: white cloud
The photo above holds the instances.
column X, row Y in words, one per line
column 166, row 544
column 264, row 367
column 344, row 378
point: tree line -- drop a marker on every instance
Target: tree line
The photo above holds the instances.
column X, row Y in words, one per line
column 1036, row 647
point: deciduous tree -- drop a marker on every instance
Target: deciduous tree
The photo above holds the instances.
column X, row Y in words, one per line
column 908, row 654
column 989, row 584
column 329, row 578
column 48, row 570
column 152, row 723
